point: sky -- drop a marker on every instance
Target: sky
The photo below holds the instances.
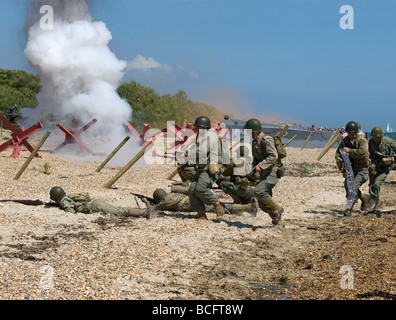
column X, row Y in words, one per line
column 286, row 60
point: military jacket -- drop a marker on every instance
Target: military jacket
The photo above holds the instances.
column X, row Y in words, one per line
column 175, row 202
column 264, row 152
column 359, row 154
column 208, row 149
column 71, row 206
column 384, row 149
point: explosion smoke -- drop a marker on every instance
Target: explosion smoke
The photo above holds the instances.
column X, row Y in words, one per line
column 78, row 71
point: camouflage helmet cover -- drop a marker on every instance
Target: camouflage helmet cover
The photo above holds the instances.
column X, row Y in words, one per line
column 57, row 194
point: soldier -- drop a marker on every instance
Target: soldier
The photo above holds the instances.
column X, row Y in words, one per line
column 207, row 155
column 177, row 201
column 82, row 202
column 240, row 187
column 382, row 160
column 357, row 147
column 267, row 165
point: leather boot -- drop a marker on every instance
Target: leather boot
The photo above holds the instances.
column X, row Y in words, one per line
column 365, row 200
column 219, row 209
column 201, row 215
column 276, row 210
column 378, row 204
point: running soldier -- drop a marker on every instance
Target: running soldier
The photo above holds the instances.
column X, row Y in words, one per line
column 357, row 147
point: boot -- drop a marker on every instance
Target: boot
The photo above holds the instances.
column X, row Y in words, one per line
column 219, row 209
column 365, row 200
column 137, row 212
column 276, row 210
column 378, row 203
column 201, row 215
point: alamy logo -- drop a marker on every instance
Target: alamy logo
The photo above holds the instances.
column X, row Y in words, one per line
column 47, row 20
column 348, row 20
column 346, row 282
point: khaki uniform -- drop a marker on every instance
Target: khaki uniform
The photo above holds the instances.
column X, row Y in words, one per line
column 208, row 158
column 97, row 205
column 359, row 157
column 239, row 186
column 266, row 156
column 181, row 203
column 381, row 163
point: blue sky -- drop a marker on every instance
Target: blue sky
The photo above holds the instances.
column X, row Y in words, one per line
column 285, row 59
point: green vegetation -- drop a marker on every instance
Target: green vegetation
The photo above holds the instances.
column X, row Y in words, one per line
column 21, row 88
column 18, row 87
column 149, row 107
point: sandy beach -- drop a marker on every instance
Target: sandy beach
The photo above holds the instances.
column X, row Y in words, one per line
column 46, row 253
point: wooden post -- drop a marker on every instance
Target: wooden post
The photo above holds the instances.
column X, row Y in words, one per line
column 113, row 153
column 32, row 155
column 309, row 137
column 283, row 132
column 329, row 146
column 290, row 141
column 128, row 166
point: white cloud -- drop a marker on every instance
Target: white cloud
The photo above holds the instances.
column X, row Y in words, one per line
column 140, row 62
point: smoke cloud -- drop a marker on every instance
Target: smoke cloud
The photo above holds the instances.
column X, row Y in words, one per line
column 78, row 71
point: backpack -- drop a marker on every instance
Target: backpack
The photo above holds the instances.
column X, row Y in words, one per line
column 82, row 197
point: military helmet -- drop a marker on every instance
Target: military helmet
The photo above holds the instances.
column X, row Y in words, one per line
column 57, row 194
column 159, row 195
column 377, row 132
column 203, row 122
column 352, row 126
column 254, row 125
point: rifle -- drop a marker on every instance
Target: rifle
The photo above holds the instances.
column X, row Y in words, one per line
column 33, row 203
column 140, row 196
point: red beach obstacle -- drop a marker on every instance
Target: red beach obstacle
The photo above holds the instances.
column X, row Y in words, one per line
column 18, row 137
column 74, row 136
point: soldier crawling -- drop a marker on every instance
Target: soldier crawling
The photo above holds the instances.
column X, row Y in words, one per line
column 82, row 202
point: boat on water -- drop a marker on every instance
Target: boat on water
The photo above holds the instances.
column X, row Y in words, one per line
column 317, row 138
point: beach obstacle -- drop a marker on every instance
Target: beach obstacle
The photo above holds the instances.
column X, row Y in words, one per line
column 306, row 142
column 74, row 136
column 32, row 155
column 330, row 143
column 113, row 153
column 290, row 141
column 19, row 137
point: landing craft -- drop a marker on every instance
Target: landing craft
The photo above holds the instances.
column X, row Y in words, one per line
column 318, row 139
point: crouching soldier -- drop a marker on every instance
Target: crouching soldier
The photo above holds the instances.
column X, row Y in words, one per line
column 268, row 164
column 82, row 202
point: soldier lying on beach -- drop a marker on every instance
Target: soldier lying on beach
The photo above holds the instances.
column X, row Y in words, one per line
column 177, row 201
column 82, row 202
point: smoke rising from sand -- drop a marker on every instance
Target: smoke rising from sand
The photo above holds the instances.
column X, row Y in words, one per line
column 78, row 71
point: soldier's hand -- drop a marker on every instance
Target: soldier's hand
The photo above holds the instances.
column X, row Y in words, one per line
column 346, row 149
column 257, row 168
